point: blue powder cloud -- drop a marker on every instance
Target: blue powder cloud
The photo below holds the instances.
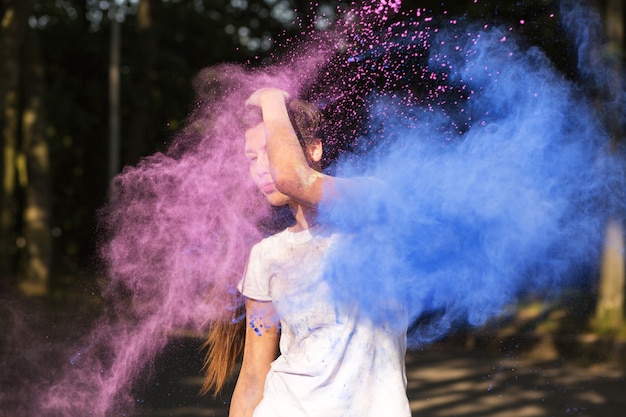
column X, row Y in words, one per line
column 462, row 227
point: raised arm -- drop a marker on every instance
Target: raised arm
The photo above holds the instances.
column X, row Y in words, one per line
column 289, row 168
column 261, row 347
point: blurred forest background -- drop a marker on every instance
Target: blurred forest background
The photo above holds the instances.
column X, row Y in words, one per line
column 87, row 87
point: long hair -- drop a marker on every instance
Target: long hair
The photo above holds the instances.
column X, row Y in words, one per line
column 224, row 347
column 225, row 341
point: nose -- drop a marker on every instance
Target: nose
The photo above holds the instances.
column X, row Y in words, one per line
column 262, row 164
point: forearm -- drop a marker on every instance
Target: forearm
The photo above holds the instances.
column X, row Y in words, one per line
column 290, row 169
column 288, row 165
column 246, row 396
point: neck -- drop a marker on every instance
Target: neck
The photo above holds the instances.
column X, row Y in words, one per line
column 305, row 217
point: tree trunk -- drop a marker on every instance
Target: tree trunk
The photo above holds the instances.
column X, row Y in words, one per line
column 14, row 23
column 141, row 85
column 35, row 265
column 610, row 308
column 609, row 316
column 614, row 24
column 8, row 198
column 114, row 93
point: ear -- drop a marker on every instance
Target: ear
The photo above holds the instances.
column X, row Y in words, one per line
column 315, row 150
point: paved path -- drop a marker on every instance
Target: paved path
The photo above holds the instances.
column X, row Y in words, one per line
column 442, row 382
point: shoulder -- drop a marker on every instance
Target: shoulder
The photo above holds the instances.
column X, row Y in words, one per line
column 269, row 243
column 271, row 239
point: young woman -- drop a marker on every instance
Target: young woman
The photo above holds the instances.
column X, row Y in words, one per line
column 304, row 353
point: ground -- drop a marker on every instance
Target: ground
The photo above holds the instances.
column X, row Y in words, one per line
column 444, row 380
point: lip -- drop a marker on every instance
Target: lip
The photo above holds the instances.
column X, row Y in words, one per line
column 268, row 187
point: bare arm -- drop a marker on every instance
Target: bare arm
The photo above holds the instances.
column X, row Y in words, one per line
column 289, row 168
column 261, row 347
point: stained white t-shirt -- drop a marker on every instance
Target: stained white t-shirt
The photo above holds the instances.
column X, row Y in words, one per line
column 333, row 362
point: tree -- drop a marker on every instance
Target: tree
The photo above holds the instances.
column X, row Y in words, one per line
column 14, row 25
column 609, row 317
column 36, row 260
column 141, row 86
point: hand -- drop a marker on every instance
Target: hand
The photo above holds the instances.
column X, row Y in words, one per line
column 264, row 93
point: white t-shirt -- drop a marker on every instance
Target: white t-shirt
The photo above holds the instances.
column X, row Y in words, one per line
column 333, row 363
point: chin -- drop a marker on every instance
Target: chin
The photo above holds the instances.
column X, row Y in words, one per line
column 277, row 199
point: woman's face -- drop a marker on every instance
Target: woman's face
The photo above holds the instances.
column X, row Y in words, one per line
column 260, row 167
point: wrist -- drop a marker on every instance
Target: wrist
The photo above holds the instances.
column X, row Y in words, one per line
column 273, row 95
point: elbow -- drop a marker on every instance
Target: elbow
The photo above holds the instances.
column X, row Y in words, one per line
column 299, row 182
column 289, row 181
column 285, row 186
